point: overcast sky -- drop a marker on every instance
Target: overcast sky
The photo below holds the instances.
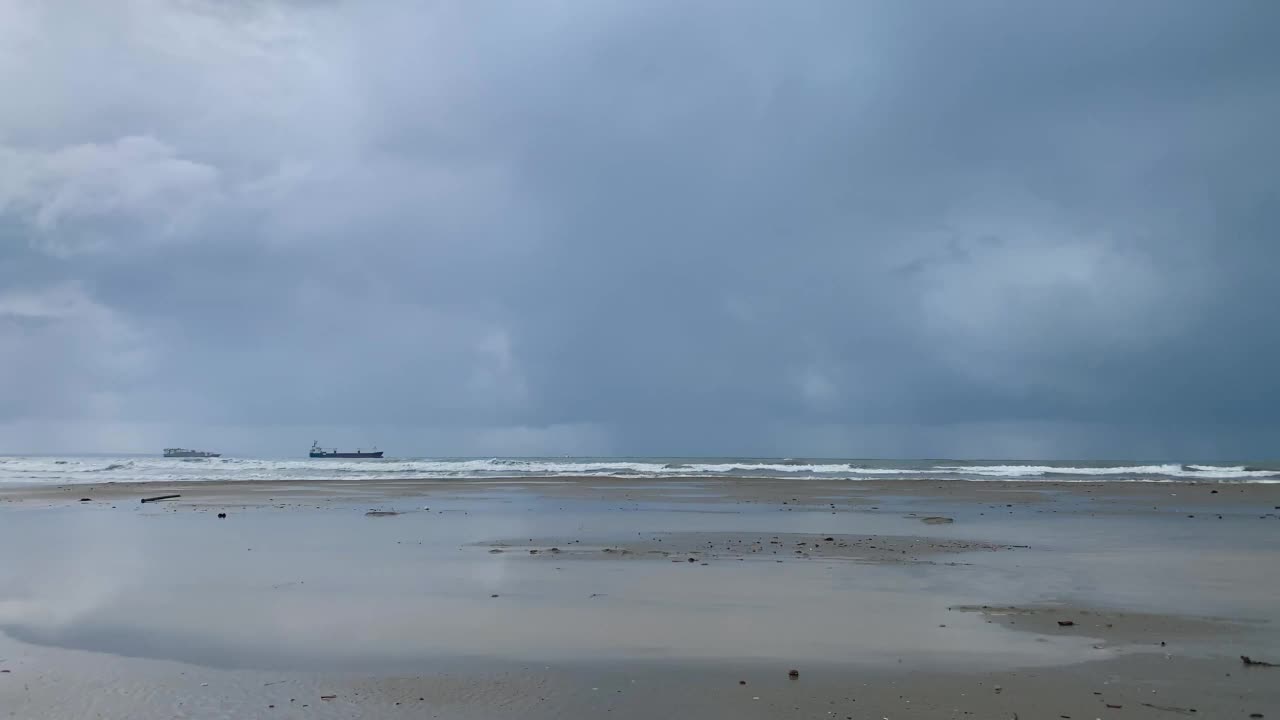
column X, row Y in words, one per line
column 848, row 228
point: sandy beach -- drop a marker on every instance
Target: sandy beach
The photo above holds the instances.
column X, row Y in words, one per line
column 604, row 597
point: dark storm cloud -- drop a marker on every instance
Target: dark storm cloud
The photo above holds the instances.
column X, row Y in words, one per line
column 832, row 228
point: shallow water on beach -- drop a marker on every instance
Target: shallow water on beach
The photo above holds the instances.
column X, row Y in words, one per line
column 332, row 588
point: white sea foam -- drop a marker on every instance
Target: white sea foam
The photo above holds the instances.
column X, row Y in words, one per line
column 1205, row 472
column 67, row 470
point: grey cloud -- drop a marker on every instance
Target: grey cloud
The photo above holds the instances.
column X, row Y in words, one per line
column 90, row 197
column 871, row 228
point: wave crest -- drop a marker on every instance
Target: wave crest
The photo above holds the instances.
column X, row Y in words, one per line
column 71, row 470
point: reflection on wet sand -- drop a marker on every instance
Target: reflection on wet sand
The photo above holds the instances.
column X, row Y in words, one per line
column 473, row 579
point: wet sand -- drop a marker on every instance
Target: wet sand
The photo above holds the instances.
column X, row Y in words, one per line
column 705, row 547
column 922, row 599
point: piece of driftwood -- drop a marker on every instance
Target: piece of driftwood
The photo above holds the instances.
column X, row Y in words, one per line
column 159, row 497
column 1169, row 708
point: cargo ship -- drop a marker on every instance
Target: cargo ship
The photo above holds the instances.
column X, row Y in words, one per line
column 185, row 453
column 319, row 452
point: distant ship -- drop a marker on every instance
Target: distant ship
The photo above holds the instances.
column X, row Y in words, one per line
column 319, row 452
column 185, row 453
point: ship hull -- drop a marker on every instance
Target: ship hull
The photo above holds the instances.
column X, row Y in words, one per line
column 347, row 455
column 192, row 454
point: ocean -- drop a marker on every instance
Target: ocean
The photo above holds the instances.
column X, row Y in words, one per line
column 135, row 468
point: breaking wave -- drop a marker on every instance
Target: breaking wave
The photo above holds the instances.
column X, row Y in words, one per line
column 1201, row 472
column 139, row 469
column 112, row 466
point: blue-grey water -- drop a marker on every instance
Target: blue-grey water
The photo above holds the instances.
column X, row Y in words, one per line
column 134, row 468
